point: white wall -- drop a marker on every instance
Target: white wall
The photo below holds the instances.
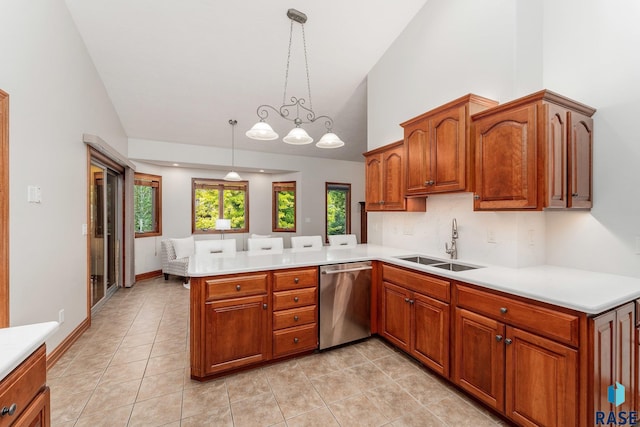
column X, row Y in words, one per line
column 309, row 173
column 503, row 50
column 55, row 97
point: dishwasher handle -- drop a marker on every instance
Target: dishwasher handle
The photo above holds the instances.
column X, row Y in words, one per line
column 347, row 270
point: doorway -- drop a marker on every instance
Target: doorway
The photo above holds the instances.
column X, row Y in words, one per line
column 105, row 230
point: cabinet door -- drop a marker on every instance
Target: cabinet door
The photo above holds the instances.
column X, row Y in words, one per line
column 237, row 332
column 396, row 315
column 448, row 151
column 557, row 131
column 392, row 185
column 580, row 158
column 479, row 357
column 37, row 414
column 542, row 380
column 373, row 195
column 418, row 157
column 604, row 372
column 625, row 352
column 430, row 333
column 506, row 160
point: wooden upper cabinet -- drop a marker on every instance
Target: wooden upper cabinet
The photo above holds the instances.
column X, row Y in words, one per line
column 437, row 148
column 533, row 153
column 385, row 181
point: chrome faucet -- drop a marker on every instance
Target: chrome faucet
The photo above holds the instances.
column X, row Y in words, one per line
column 453, row 251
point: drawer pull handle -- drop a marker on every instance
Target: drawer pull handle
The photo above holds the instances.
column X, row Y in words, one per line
column 503, row 310
column 295, row 318
column 295, row 340
column 296, row 299
column 498, row 338
column 9, row 411
column 238, row 287
column 296, row 280
column 264, row 306
column 508, row 341
column 574, row 194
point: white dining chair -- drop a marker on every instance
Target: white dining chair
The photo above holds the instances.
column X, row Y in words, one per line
column 216, row 246
column 343, row 240
column 306, row 242
column 273, row 244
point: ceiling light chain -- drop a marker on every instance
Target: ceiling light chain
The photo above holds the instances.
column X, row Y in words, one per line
column 298, row 136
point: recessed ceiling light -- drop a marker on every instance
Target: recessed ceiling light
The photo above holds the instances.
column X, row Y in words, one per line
column 261, row 170
column 175, row 164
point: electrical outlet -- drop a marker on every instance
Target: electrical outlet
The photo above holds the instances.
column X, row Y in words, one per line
column 491, row 236
column 61, row 316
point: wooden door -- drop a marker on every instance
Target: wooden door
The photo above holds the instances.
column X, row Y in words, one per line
column 556, row 139
column 541, row 380
column 506, row 160
column 604, row 354
column 396, row 315
column 430, row 333
column 392, row 185
column 580, row 160
column 373, row 178
column 237, row 332
column 479, row 357
column 448, row 151
column 417, row 157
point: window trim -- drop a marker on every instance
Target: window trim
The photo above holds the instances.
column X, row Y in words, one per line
column 277, row 187
column 150, row 180
column 213, row 182
column 347, row 202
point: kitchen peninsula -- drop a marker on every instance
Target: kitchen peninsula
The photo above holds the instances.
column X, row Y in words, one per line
column 503, row 335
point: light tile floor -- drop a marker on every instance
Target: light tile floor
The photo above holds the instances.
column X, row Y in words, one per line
column 131, row 368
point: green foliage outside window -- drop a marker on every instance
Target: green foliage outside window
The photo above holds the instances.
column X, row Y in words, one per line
column 284, row 206
column 338, row 205
column 215, row 199
column 146, row 205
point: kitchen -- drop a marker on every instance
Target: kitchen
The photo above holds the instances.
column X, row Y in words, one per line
column 592, row 65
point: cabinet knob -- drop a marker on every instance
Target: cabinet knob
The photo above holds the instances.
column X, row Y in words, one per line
column 238, row 287
column 411, row 301
column 406, row 300
column 574, row 194
column 296, row 340
column 498, row 338
column 382, row 202
column 296, row 299
column 476, row 197
column 8, row 411
column 295, row 318
column 296, row 280
column 264, row 306
column 503, row 310
column 430, row 182
column 508, row 341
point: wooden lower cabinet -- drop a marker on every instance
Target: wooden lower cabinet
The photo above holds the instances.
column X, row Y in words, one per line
column 416, row 324
column 25, row 390
column 237, row 333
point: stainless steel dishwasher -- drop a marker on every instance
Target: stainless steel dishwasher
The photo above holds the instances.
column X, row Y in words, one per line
column 345, row 303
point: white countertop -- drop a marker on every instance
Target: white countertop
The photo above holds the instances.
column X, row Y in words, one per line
column 18, row 342
column 581, row 290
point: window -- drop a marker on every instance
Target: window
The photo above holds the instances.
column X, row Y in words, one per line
column 213, row 199
column 338, row 198
column 147, row 205
column 284, row 206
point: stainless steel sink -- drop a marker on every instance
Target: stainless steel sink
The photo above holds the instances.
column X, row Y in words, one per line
column 421, row 260
column 455, row 267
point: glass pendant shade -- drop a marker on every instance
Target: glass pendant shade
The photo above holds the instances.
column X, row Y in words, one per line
column 232, row 176
column 330, row 140
column 262, row 132
column 298, row 136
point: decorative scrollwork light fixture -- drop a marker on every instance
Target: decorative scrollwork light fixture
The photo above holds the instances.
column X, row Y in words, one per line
column 233, row 175
column 298, row 136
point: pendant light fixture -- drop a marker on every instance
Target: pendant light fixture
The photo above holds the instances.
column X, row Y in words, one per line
column 298, row 136
column 232, row 175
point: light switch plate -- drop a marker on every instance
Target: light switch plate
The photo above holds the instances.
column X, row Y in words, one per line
column 34, row 194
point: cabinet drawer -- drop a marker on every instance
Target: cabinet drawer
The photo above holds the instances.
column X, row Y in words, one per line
column 295, row 298
column 295, row 340
column 22, row 385
column 436, row 288
column 294, row 317
column 295, row 279
column 541, row 320
column 236, row 286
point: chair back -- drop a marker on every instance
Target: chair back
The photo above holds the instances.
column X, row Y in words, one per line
column 216, row 246
column 265, row 244
column 306, row 242
column 343, row 240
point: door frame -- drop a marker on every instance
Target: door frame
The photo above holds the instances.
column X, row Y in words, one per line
column 4, row 209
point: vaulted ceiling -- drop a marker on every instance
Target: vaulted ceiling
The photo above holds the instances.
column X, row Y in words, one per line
column 177, row 71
